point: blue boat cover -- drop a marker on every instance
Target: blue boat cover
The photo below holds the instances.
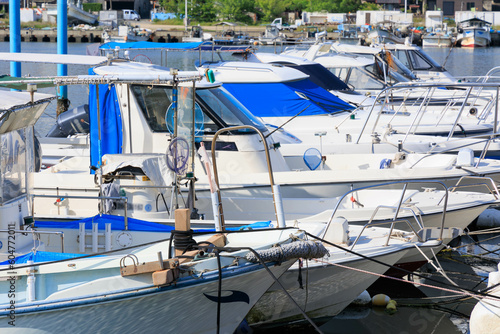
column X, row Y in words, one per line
column 110, row 123
column 134, row 225
column 191, row 46
column 117, row 223
column 150, row 45
column 283, row 100
column 38, row 257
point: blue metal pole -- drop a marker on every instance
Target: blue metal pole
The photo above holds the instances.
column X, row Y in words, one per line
column 62, row 42
column 15, row 34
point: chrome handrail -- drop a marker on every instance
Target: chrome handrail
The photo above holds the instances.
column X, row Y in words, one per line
column 380, row 99
column 117, row 198
column 493, row 190
column 61, row 234
column 269, row 167
column 402, row 200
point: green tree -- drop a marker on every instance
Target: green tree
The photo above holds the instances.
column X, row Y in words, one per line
column 349, row 6
column 298, row 5
column 335, row 6
column 369, row 6
column 235, row 10
column 320, row 5
column 272, row 8
column 172, row 6
column 202, row 10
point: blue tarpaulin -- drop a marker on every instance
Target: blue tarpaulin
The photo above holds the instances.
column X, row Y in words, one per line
column 150, row 45
column 286, row 99
column 110, row 123
column 42, row 257
column 204, row 46
column 163, row 16
column 117, row 223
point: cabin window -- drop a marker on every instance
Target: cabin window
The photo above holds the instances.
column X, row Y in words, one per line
column 154, row 103
column 361, row 80
column 403, row 58
column 419, row 62
column 340, row 72
column 219, row 108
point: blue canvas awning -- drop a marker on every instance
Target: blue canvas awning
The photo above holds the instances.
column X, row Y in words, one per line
column 191, row 46
column 117, row 223
column 150, row 45
column 286, row 99
column 39, row 256
column 109, row 123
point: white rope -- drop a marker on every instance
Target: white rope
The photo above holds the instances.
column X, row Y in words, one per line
column 463, row 293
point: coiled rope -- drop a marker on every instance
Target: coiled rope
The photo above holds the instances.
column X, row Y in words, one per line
column 299, row 249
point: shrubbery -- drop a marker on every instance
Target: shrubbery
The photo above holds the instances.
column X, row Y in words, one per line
column 92, row 7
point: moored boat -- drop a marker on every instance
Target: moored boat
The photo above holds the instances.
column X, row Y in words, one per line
column 122, row 293
column 437, row 39
column 474, row 32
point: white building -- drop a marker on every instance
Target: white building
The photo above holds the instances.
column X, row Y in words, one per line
column 31, row 14
column 323, row 17
column 373, row 17
column 491, row 17
column 433, row 18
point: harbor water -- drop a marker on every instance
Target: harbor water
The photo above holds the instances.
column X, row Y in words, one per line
column 421, row 309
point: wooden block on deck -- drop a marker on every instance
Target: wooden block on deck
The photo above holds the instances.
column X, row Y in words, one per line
column 192, row 253
column 182, row 219
column 218, row 240
column 164, row 277
column 148, row 267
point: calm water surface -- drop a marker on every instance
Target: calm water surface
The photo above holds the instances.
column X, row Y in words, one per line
column 434, row 313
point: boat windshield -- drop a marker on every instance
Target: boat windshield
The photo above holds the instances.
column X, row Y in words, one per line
column 227, row 108
column 397, row 66
column 358, row 78
column 417, row 60
column 219, row 108
column 391, row 76
column 319, row 75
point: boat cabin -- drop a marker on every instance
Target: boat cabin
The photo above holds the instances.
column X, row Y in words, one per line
column 146, row 114
column 475, row 22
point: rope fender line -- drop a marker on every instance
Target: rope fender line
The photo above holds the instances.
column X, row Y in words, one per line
column 480, row 293
column 468, row 294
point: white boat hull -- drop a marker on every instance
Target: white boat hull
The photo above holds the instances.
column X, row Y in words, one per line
column 185, row 308
column 475, row 38
column 325, row 285
column 437, row 41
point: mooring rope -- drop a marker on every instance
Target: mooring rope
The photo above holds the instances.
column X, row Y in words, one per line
column 469, row 294
column 481, row 293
